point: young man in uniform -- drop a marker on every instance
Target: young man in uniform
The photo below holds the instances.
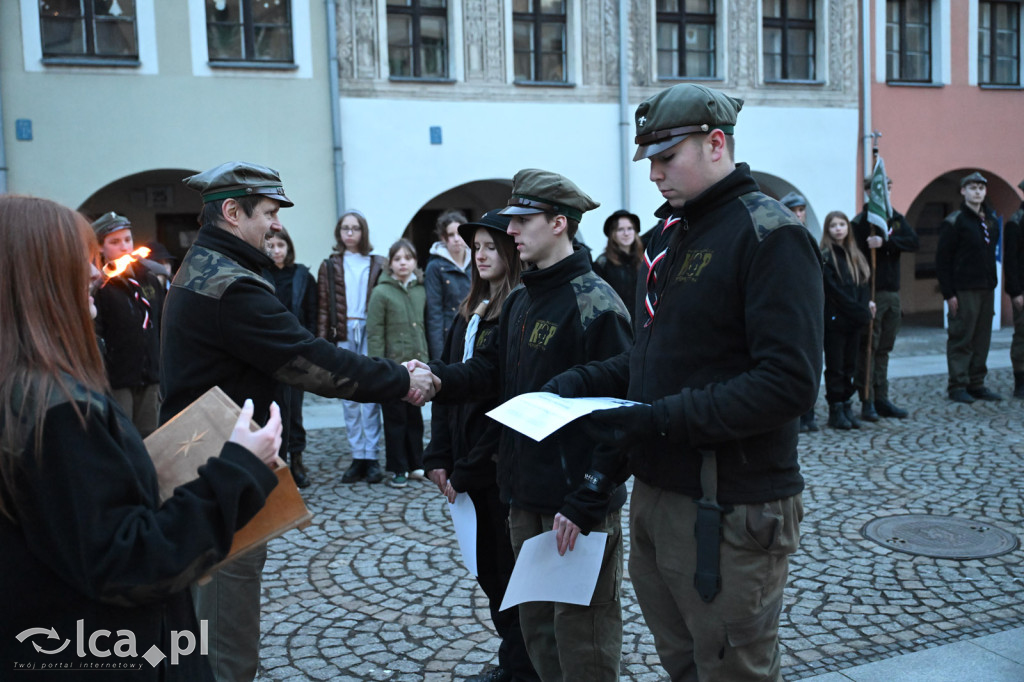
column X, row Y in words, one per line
column 562, row 315
column 1013, row 271
column 727, row 356
column 225, row 327
column 900, row 238
column 965, row 262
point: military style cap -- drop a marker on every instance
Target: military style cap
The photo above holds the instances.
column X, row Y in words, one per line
column 667, row 118
column 973, row 177
column 239, row 179
column 540, row 191
column 109, row 223
column 612, row 221
column 1021, row 184
column 793, row 199
column 493, row 220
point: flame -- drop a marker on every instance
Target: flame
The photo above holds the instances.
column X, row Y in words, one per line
column 119, row 265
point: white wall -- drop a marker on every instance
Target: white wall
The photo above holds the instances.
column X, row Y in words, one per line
column 392, row 170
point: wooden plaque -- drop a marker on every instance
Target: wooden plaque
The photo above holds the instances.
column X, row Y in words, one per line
column 197, row 433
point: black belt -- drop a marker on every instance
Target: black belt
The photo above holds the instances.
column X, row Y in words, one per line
column 708, row 529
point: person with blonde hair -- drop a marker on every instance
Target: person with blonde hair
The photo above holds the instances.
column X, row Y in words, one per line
column 847, row 311
column 85, row 536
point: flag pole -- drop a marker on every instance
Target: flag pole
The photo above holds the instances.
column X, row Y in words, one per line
column 868, row 393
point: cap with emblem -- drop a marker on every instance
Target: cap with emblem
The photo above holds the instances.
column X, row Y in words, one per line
column 540, row 191
column 973, row 177
column 493, row 220
column 239, row 179
column 109, row 223
column 793, row 199
column 667, row 118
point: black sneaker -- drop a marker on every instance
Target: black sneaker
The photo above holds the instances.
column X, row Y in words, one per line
column 960, row 395
column 373, row 472
column 355, row 472
column 887, row 409
column 983, row 393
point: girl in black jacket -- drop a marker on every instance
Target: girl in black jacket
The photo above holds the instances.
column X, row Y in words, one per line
column 848, row 309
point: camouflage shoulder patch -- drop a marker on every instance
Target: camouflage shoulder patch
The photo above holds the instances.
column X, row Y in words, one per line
column 209, row 273
column 594, row 296
column 766, row 214
column 952, row 217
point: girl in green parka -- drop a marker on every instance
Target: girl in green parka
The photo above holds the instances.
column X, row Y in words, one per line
column 395, row 330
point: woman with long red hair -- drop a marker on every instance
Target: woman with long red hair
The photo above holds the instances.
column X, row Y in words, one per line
column 88, row 549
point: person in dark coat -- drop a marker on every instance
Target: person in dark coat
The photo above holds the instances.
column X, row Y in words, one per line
column 295, row 287
column 225, row 327
column 89, row 551
column 848, row 309
column 460, row 458
column 965, row 262
column 446, row 279
column 1013, row 273
column 619, row 265
column 129, row 303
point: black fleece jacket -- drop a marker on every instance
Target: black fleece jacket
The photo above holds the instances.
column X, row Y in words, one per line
column 223, row 326
column 963, row 259
column 733, row 354
column 1013, row 254
column 560, row 316
column 900, row 239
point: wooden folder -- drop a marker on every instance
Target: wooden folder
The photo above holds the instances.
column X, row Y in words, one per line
column 197, row 433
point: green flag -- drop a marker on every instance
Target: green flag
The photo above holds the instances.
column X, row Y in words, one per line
column 879, row 205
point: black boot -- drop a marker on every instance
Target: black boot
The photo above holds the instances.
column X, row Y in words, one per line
column 356, row 472
column 837, row 417
column 299, row 470
column 373, row 472
column 885, row 408
column 850, row 417
column 1018, row 384
column 867, row 411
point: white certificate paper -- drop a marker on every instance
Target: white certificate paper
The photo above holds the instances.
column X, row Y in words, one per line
column 464, row 519
column 538, row 415
column 541, row 574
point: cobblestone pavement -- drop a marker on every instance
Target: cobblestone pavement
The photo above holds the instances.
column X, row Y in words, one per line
column 375, row 590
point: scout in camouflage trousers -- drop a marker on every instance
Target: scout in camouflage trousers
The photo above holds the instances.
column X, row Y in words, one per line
column 562, row 315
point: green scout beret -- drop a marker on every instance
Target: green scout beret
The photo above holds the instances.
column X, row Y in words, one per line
column 973, row 177
column 665, row 119
column 108, row 223
column 238, row 179
column 793, row 199
column 539, row 191
column 494, row 220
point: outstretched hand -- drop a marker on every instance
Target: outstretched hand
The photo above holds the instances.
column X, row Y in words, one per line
column 265, row 443
column 423, row 385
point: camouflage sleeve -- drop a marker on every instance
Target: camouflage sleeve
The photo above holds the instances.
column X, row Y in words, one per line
column 262, row 333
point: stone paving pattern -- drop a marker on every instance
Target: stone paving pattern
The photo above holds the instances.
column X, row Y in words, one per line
column 375, row 589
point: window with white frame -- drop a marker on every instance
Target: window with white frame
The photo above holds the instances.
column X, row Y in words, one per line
column 418, row 38
column 908, row 41
column 686, row 38
column 789, row 34
column 539, row 41
column 90, row 30
column 249, row 32
column 999, row 43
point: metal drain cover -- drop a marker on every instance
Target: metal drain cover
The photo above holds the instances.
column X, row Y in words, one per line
column 940, row 537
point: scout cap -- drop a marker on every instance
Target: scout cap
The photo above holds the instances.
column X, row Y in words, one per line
column 973, row 177
column 1021, row 184
column 238, row 179
column 793, row 199
column 540, row 191
column 612, row 221
column 109, row 223
column 493, row 220
column 667, row 118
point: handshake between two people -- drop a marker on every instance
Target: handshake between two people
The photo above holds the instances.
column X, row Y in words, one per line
column 423, row 385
